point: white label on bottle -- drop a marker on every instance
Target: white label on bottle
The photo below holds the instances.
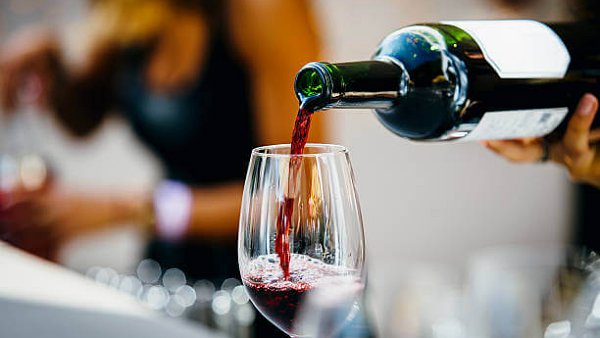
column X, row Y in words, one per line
column 519, row 49
column 512, row 124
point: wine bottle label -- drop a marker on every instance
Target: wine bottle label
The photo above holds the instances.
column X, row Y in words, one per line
column 512, row 124
column 518, row 49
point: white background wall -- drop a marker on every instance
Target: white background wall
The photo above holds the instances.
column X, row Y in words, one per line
column 423, row 203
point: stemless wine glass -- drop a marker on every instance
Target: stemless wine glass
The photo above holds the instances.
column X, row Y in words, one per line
column 326, row 236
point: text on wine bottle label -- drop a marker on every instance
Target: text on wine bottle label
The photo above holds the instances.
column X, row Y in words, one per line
column 511, row 124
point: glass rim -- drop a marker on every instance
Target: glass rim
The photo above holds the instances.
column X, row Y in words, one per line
column 331, row 150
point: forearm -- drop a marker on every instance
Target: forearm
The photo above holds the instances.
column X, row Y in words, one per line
column 182, row 211
column 213, row 212
column 216, row 211
column 71, row 214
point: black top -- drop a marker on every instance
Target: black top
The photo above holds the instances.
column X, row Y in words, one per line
column 203, row 136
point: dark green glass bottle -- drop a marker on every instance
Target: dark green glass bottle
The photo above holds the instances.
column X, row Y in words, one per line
column 465, row 79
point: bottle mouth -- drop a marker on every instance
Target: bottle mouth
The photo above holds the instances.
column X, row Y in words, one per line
column 313, row 86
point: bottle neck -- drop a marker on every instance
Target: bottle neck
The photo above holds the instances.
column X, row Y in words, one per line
column 366, row 84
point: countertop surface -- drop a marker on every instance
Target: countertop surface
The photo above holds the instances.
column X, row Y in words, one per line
column 42, row 299
column 28, row 278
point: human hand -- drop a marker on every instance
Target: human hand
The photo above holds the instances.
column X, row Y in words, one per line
column 43, row 222
column 20, row 224
column 29, row 64
column 577, row 151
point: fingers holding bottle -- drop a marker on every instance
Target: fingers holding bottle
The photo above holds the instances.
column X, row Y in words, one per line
column 518, row 150
column 577, row 150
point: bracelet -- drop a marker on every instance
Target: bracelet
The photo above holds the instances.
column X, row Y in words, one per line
column 173, row 202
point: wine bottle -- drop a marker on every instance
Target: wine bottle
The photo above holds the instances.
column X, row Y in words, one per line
column 468, row 80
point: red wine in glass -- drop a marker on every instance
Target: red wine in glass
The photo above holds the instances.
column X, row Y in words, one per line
column 279, row 298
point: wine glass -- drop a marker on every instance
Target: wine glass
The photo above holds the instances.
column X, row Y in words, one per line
column 326, row 239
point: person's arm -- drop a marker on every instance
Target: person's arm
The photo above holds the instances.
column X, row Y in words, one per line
column 275, row 38
column 577, row 151
column 42, row 221
column 78, row 98
column 215, row 211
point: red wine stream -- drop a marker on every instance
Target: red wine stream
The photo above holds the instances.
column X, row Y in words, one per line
column 284, row 219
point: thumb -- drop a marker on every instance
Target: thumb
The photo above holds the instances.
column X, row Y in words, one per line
column 576, row 139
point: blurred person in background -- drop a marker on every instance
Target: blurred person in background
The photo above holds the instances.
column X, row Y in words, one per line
column 201, row 82
column 578, row 150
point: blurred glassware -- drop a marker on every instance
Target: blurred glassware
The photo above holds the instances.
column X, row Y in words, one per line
column 185, row 295
column 421, row 302
column 229, row 284
column 201, row 311
column 173, row 279
column 149, row 271
column 509, row 292
column 131, row 285
column 518, row 291
column 227, row 309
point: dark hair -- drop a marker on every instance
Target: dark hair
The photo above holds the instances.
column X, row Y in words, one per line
column 128, row 10
column 515, row 3
column 210, row 7
column 587, row 10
